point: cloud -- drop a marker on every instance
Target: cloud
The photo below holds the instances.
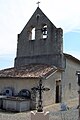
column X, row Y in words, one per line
column 14, row 14
column 77, row 30
column 63, row 13
column 6, row 61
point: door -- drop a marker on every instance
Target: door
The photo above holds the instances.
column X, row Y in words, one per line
column 58, row 91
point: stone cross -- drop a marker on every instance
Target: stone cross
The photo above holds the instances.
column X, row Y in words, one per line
column 38, row 3
column 40, row 88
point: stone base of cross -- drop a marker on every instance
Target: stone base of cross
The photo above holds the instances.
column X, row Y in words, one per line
column 39, row 115
column 40, row 88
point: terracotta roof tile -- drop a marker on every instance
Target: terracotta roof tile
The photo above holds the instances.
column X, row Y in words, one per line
column 28, row 71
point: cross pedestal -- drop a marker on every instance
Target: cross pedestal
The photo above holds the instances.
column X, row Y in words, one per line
column 39, row 115
column 40, row 88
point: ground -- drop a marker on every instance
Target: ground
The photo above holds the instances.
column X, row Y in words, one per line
column 54, row 110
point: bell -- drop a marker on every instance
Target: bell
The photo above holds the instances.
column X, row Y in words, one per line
column 44, row 31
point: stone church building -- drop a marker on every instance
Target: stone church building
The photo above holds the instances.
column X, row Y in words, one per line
column 40, row 56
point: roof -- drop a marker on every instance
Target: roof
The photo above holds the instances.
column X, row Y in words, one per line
column 72, row 58
column 28, row 71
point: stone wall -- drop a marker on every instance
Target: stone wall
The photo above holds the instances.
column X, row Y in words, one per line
column 16, row 104
column 19, row 84
column 69, row 83
column 47, row 50
column 49, row 97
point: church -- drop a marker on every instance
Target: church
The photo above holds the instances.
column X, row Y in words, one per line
column 40, row 56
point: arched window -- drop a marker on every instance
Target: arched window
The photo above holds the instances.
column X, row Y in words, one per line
column 44, row 32
column 32, row 34
column 25, row 93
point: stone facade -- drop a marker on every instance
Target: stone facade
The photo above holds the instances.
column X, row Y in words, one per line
column 69, row 81
column 47, row 45
column 19, row 84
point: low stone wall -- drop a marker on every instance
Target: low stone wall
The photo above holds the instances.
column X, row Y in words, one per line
column 16, row 104
column 1, row 100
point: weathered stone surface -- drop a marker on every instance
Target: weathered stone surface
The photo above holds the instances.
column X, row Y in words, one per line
column 39, row 115
column 48, row 49
column 16, row 104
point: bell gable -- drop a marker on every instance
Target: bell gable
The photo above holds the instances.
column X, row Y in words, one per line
column 39, row 41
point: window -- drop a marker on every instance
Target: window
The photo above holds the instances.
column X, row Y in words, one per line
column 70, row 86
column 44, row 32
column 32, row 34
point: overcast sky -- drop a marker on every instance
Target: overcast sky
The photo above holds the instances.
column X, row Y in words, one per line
column 14, row 14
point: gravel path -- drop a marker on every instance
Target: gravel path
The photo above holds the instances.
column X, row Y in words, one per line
column 54, row 110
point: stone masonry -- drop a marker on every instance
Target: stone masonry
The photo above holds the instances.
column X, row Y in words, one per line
column 47, row 45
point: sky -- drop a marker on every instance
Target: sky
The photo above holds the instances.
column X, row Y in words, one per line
column 14, row 14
